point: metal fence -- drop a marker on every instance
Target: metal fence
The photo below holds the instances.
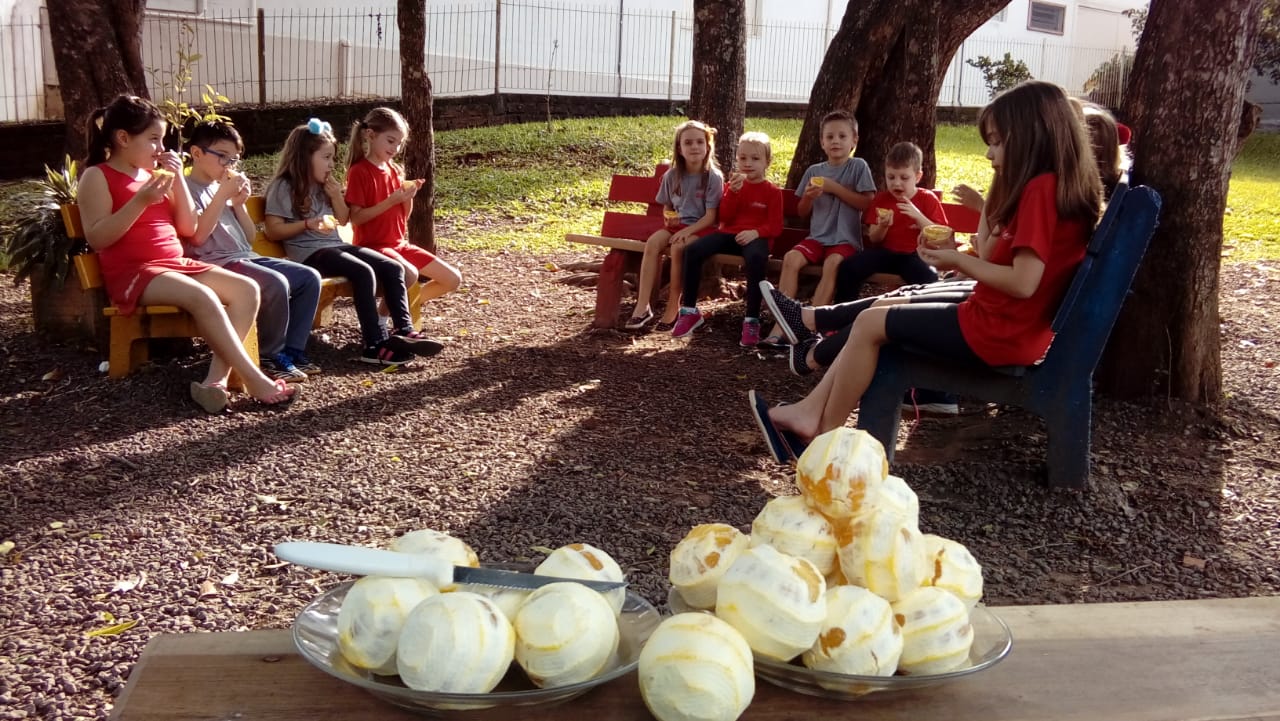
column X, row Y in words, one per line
column 501, row 46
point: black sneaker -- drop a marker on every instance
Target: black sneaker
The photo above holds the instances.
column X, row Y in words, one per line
column 413, row 342
column 786, row 312
column 798, row 358
column 384, row 354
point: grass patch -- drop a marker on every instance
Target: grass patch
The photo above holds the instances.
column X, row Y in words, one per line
column 523, row 187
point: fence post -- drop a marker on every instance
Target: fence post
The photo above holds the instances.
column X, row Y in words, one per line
column 621, row 4
column 671, row 61
column 262, row 58
column 497, row 48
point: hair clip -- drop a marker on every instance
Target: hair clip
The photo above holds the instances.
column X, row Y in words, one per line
column 99, row 120
column 318, row 126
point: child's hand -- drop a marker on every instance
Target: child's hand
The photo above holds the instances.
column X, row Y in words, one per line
column 736, row 180
column 332, row 188
column 170, row 161
column 884, row 217
column 156, row 188
column 411, row 188
column 746, row 236
column 967, row 196
column 240, row 186
column 940, row 258
column 680, row 238
column 908, row 207
column 812, row 191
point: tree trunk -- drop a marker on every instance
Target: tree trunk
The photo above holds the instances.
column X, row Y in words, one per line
column 718, row 96
column 97, row 51
column 416, row 102
column 886, row 63
column 1183, row 103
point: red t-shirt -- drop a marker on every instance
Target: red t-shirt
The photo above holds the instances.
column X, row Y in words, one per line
column 903, row 233
column 757, row 206
column 368, row 185
column 1004, row 330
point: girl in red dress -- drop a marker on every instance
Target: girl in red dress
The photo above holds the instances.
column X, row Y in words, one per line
column 1044, row 202
column 133, row 211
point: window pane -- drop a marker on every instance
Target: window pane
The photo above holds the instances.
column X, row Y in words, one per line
column 1046, row 18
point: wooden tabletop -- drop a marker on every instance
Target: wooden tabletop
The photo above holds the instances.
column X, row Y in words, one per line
column 1157, row 661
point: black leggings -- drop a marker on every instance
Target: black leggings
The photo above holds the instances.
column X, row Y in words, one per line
column 366, row 269
column 840, row 317
column 855, row 270
column 755, row 258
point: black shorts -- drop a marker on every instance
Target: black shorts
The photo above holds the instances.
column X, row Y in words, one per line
column 930, row 328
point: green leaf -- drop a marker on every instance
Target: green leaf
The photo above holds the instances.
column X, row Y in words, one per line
column 114, row 630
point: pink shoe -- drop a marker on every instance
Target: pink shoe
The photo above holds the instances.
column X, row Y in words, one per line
column 750, row 333
column 687, row 323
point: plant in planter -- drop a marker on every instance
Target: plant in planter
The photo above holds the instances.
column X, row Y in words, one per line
column 33, row 237
column 35, row 245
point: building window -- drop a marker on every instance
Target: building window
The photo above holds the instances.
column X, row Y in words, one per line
column 1047, row 18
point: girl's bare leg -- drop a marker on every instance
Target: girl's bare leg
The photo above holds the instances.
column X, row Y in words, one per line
column 649, row 265
column 672, row 308
column 829, row 404
column 441, row 278
column 203, row 296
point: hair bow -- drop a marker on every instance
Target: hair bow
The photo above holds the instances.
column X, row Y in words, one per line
column 318, row 126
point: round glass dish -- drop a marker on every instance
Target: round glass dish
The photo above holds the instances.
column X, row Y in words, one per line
column 315, row 633
column 991, row 643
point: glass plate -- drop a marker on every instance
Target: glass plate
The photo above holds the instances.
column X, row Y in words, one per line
column 315, row 633
column 991, row 643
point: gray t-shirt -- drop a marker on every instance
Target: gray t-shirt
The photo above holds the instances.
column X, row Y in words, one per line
column 691, row 199
column 832, row 221
column 280, row 203
column 226, row 242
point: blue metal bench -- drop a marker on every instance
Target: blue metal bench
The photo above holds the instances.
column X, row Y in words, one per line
column 1059, row 388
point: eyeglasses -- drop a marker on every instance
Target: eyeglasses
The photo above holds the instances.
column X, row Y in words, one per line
column 226, row 160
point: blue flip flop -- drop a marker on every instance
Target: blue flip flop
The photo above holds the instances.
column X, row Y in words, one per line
column 760, row 410
column 795, row 445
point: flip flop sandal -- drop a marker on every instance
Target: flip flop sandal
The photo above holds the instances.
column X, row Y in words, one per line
column 795, row 444
column 760, row 410
column 773, row 342
column 285, row 394
column 212, row 398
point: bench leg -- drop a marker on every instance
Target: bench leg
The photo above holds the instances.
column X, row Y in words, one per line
column 234, row 381
column 609, row 289
column 1068, row 424
column 324, row 309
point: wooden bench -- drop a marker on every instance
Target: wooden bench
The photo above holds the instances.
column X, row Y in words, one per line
column 331, row 288
column 1209, row 660
column 129, row 334
column 625, row 234
column 1058, row 389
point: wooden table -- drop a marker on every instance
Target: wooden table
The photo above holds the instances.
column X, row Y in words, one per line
column 1158, row 661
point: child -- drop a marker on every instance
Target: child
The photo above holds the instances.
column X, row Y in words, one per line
column 380, row 202
column 304, row 208
column 690, row 193
column 133, row 212
column 893, row 234
column 750, row 218
column 290, row 291
column 833, row 195
column 1044, row 199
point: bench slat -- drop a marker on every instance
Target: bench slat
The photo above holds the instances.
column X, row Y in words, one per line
column 629, row 225
column 634, row 189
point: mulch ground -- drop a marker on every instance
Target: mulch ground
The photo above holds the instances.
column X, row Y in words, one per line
column 126, row 503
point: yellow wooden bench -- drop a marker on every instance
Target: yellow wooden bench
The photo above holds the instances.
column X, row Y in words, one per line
column 331, row 288
column 129, row 333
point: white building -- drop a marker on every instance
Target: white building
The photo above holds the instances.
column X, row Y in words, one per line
column 643, row 48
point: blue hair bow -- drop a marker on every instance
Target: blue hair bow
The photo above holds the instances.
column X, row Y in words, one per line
column 318, row 126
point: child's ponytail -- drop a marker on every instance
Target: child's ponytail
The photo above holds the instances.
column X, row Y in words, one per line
column 378, row 120
column 129, row 113
column 355, row 143
column 98, row 141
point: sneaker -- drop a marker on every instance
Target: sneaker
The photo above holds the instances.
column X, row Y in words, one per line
column 786, row 312
column 303, row 363
column 930, row 403
column 750, row 333
column 638, row 322
column 689, row 321
column 411, row 341
column 798, row 358
column 383, row 354
column 280, row 367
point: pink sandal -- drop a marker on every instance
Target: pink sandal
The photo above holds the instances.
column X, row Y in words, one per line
column 212, row 397
column 284, row 395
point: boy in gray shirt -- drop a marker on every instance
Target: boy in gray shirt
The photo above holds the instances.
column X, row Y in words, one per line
column 290, row 291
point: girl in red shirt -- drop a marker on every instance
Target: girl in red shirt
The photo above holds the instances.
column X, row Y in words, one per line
column 1044, row 201
column 134, row 205
column 381, row 200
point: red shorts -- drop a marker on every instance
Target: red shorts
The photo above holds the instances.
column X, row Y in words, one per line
column 418, row 256
column 816, row 252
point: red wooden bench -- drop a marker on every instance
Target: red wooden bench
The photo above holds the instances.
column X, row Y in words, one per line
column 625, row 234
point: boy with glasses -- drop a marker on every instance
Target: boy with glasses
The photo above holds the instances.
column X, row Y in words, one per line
column 290, row 291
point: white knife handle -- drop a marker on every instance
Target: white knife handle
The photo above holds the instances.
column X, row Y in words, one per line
column 366, row 561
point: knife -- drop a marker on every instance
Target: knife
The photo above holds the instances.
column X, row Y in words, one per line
column 363, row 561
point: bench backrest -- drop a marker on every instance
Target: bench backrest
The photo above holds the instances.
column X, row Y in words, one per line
column 88, row 271
column 1093, row 300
